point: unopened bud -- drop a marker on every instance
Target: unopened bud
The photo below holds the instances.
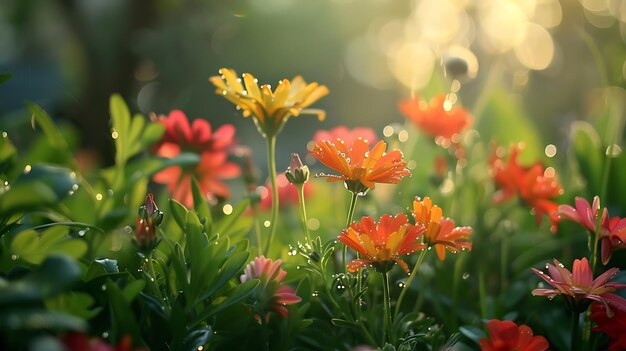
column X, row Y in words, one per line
column 297, row 173
column 148, row 218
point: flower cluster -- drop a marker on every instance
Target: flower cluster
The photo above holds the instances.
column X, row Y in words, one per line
column 535, row 185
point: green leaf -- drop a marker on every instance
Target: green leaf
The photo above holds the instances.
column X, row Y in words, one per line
column 343, row 323
column 472, row 332
column 197, row 338
column 179, row 212
column 239, row 293
column 122, row 318
column 200, row 204
column 180, row 268
column 33, row 247
column 587, row 148
column 120, row 118
column 132, row 289
column 52, row 133
column 8, row 154
column 39, row 319
column 75, row 303
column 229, row 270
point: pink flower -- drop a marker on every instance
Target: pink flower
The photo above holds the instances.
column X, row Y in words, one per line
column 271, row 293
column 348, row 136
column 584, row 214
column 614, row 327
column 612, row 237
column 213, row 148
column 579, row 288
column 507, row 336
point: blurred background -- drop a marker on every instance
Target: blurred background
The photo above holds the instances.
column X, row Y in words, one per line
column 71, row 55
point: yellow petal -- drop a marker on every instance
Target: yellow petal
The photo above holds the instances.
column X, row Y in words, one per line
column 252, row 87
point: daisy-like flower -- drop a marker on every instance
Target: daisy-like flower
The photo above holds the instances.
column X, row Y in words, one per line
column 213, row 148
column 438, row 118
column 583, row 214
column 269, row 109
column 508, row 336
column 614, row 327
column 272, row 293
column 382, row 244
column 441, row 233
column 359, row 167
column 535, row 185
column 347, row 135
column 579, row 288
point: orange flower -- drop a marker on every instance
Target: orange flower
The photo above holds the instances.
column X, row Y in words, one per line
column 507, row 336
column 382, row 244
column 270, row 110
column 359, row 167
column 345, row 134
column 440, row 233
column 535, row 185
column 438, row 119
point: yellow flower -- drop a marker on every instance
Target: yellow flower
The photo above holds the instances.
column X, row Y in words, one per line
column 269, row 110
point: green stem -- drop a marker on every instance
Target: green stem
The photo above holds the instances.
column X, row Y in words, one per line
column 344, row 251
column 271, row 164
column 482, row 293
column 303, row 217
column 420, row 259
column 504, row 261
column 575, row 319
column 153, row 278
column 387, row 309
column 459, row 266
column 257, row 227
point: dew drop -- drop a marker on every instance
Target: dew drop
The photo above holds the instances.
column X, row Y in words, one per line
column 465, row 276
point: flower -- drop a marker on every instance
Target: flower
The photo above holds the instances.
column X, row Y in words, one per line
column 579, row 288
column 382, row 244
column 75, row 341
column 287, row 192
column 508, row 336
column 584, row 214
column 613, row 236
column 212, row 147
column 271, row 293
column 359, row 167
column 269, row 110
column 148, row 218
column 614, row 327
column 535, row 185
column 438, row 118
column 348, row 136
column 197, row 137
column 440, row 233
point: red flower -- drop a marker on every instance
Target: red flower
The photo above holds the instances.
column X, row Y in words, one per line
column 213, row 149
column 584, row 214
column 579, row 287
column 359, row 166
column 148, row 218
column 382, row 244
column 507, row 336
column 614, row 327
column 441, row 233
column 613, row 236
column 535, row 185
column 437, row 119
column 75, row 341
column 348, row 136
column 271, row 293
column 287, row 192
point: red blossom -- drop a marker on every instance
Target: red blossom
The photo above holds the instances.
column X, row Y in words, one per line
column 436, row 118
column 508, row 336
column 614, row 327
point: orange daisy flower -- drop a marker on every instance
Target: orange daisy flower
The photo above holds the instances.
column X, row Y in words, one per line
column 535, row 185
column 359, row 166
column 436, row 118
column 269, row 109
column 382, row 244
column 440, row 233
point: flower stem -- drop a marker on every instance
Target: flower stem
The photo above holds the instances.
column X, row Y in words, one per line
column 420, row 259
column 504, row 261
column 303, row 217
column 387, row 309
column 575, row 319
column 271, row 164
column 153, row 278
column 344, row 251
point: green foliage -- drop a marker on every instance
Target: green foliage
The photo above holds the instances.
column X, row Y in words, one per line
column 34, row 247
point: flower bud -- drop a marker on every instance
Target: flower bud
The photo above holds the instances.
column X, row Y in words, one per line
column 297, row 173
column 148, row 218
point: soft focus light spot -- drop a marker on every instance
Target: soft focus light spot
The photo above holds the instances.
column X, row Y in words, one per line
column 548, row 13
column 594, row 5
column 550, row 150
column 114, row 134
column 536, row 51
column 267, row 224
column 313, row 224
column 549, row 172
column 520, row 78
column 262, row 191
column 437, row 21
column 227, row 209
column 99, row 197
column 455, row 86
column 600, row 19
column 411, row 165
column 403, row 136
column 366, row 64
column 447, row 186
column 412, row 64
column 28, row 168
column 502, row 24
column 613, row 150
column 4, row 134
column 447, row 105
column 147, row 96
column 388, row 131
